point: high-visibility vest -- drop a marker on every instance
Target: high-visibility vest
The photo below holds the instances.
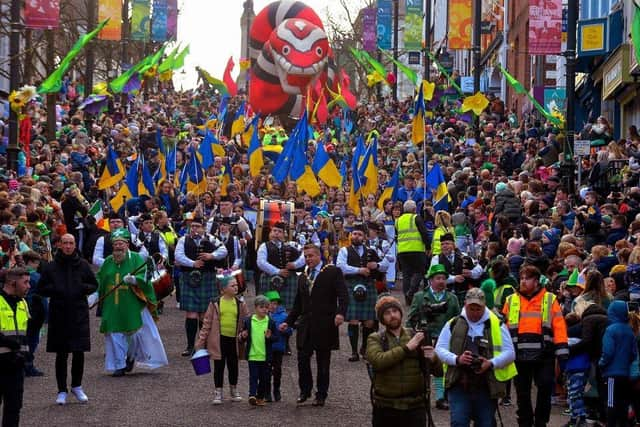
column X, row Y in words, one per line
column 498, row 292
column 14, row 324
column 501, row 374
column 409, row 238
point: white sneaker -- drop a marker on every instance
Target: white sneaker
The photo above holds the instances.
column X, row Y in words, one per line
column 62, row 398
column 217, row 396
column 235, row 396
column 79, row 394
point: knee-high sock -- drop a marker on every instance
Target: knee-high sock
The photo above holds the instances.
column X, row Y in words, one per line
column 354, row 331
column 191, row 327
column 438, row 385
column 365, row 334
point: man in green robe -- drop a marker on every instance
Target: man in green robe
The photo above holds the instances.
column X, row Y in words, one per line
column 130, row 333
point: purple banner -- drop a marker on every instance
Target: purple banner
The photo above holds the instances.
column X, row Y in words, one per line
column 172, row 19
column 369, row 29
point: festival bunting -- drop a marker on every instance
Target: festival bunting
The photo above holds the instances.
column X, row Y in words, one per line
column 111, row 10
column 42, row 14
column 53, row 83
column 140, row 17
column 460, row 24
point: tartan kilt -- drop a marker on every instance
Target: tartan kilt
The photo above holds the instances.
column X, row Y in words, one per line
column 361, row 310
column 197, row 299
column 288, row 291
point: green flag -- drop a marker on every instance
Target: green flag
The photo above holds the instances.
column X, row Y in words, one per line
column 167, row 64
column 117, row 84
column 358, row 56
column 635, row 31
column 377, row 66
column 515, row 84
column 179, row 61
column 153, row 60
column 53, row 83
column 408, row 72
column 444, row 72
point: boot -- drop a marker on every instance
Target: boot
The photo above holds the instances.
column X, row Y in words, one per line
column 233, row 392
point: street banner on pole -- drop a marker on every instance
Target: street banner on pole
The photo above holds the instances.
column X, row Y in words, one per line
column 159, row 21
column 140, row 16
column 413, row 25
column 384, row 31
column 112, row 10
column 369, row 35
column 545, row 27
column 460, row 24
column 42, row 14
column 172, row 19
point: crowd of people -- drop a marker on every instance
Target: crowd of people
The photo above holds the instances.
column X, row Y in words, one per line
column 515, row 281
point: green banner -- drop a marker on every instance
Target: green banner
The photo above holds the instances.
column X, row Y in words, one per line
column 413, row 25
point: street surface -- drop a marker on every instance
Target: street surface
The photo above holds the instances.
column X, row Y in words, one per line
column 175, row 396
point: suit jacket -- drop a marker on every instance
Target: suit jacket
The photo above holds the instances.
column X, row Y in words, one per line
column 315, row 312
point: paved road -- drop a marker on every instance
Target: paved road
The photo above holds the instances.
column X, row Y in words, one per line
column 174, row 396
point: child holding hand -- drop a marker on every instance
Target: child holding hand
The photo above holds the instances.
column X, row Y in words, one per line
column 259, row 332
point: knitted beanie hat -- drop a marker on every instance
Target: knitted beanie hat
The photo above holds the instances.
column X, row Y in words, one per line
column 384, row 303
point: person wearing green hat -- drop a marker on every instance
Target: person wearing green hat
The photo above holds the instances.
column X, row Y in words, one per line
column 127, row 298
column 426, row 314
column 278, row 314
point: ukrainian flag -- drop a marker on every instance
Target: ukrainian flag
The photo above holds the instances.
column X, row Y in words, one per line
column 391, row 189
column 436, row 183
column 356, row 181
column 237, row 126
column 368, row 170
column 128, row 189
column 161, row 173
column 325, row 168
column 417, row 125
column 256, row 159
column 205, row 149
column 285, row 159
column 196, row 182
column 113, row 172
column 227, row 178
column 301, row 172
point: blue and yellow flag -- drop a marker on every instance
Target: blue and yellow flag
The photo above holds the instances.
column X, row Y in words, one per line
column 439, row 191
column 196, row 181
column 417, row 125
column 128, row 189
column 285, row 159
column 146, row 185
column 256, row 159
column 390, row 191
column 301, row 172
column 227, row 178
column 325, row 168
column 237, row 126
column 205, row 149
column 113, row 172
column 368, row 169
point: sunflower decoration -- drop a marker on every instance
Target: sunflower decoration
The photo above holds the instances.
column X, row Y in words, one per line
column 166, row 76
column 18, row 99
column 557, row 114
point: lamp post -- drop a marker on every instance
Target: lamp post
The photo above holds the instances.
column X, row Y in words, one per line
column 477, row 23
column 396, row 11
column 567, row 166
column 427, row 39
column 14, row 82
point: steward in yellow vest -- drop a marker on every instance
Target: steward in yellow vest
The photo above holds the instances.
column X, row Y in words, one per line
column 14, row 315
column 478, row 358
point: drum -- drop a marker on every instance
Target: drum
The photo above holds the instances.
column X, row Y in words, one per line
column 242, row 284
column 162, row 284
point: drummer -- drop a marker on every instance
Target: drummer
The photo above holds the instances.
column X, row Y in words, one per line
column 197, row 254
column 151, row 238
column 277, row 260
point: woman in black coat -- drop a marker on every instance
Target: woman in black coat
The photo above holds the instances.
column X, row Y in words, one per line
column 67, row 281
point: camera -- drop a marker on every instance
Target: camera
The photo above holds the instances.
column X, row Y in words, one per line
column 428, row 314
column 476, row 363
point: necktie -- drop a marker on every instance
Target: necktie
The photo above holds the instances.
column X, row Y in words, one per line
column 312, row 276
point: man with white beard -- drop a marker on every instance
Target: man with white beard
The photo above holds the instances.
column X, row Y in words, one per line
column 128, row 300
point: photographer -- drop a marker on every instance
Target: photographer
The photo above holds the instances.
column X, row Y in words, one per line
column 478, row 349
column 429, row 311
column 399, row 390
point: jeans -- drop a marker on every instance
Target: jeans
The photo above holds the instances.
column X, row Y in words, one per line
column 258, row 378
column 385, row 417
column 276, row 371
column 467, row 406
column 542, row 373
column 229, row 356
column 412, row 265
column 305, row 378
column 576, row 384
column 77, row 370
